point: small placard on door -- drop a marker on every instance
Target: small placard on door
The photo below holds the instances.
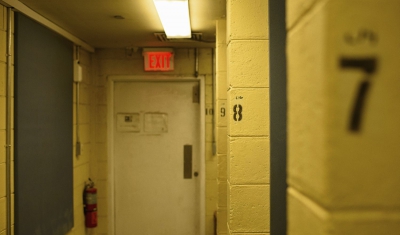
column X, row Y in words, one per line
column 128, row 122
column 156, row 123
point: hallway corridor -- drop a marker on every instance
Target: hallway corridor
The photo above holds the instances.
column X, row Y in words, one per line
column 271, row 118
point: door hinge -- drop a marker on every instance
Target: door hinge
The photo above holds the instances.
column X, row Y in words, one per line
column 196, row 94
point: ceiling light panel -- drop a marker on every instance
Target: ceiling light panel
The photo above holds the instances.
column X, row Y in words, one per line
column 174, row 16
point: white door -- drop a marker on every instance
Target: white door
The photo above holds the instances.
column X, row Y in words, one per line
column 156, row 158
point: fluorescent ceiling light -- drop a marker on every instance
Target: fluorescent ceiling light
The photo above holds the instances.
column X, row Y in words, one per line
column 174, row 16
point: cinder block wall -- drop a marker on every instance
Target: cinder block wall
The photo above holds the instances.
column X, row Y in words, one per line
column 98, row 157
column 221, row 113
column 248, row 117
column 343, row 175
column 130, row 62
column 82, row 162
column 3, row 87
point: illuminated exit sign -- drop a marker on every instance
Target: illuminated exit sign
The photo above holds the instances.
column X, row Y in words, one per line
column 158, row 59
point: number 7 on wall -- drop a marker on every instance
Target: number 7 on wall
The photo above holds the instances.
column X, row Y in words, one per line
column 368, row 66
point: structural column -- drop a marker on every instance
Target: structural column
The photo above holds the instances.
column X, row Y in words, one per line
column 343, row 86
column 221, row 120
column 248, row 117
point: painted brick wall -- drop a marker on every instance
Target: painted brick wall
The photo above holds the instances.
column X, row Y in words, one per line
column 248, row 117
column 343, row 175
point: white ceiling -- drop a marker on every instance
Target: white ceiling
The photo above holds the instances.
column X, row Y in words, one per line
column 94, row 21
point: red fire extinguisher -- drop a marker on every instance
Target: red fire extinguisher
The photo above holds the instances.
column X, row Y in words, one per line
column 90, row 201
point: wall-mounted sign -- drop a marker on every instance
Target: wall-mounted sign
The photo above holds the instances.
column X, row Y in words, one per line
column 158, row 59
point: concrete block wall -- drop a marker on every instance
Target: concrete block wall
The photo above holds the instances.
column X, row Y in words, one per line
column 221, row 113
column 98, row 159
column 248, row 117
column 82, row 162
column 342, row 174
column 3, row 92
column 130, row 62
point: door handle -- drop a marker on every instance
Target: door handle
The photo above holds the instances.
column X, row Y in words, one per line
column 187, row 161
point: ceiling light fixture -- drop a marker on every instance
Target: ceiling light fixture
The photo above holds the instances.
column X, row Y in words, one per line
column 174, row 16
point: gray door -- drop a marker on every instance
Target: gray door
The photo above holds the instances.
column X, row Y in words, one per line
column 156, row 158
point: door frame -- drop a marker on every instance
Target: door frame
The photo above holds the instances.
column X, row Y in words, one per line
column 112, row 79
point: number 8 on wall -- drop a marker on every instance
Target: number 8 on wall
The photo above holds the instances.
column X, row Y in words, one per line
column 237, row 112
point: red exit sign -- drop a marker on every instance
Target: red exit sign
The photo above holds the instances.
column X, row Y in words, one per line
column 158, row 59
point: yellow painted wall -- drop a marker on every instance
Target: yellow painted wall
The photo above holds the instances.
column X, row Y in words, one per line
column 82, row 162
column 3, row 90
column 248, row 117
column 343, row 181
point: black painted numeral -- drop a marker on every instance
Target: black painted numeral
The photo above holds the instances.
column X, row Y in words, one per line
column 222, row 112
column 237, row 112
column 368, row 66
